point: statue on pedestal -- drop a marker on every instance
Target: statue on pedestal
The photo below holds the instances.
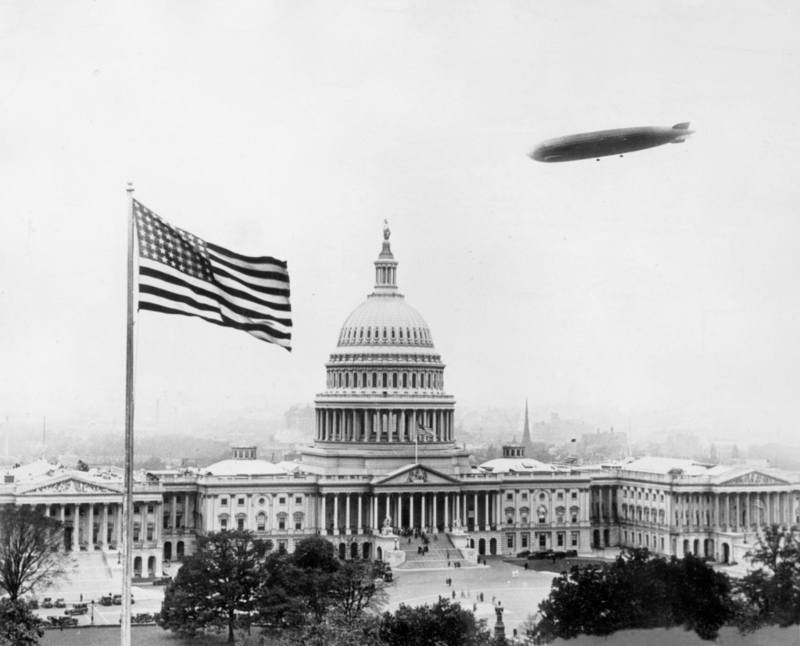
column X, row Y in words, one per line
column 386, row 530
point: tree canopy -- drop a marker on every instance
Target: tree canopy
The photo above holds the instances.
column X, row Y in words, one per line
column 216, row 585
column 18, row 625
column 31, row 554
column 638, row 590
column 440, row 624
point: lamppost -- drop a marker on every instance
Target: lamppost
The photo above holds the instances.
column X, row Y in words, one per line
column 92, row 611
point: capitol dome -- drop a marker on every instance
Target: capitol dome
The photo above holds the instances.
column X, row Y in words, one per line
column 385, row 381
column 385, row 320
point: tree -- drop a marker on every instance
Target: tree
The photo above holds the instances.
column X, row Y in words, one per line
column 358, row 587
column 31, row 554
column 441, row 624
column 772, row 595
column 18, row 625
column 638, row 590
column 335, row 630
column 216, row 585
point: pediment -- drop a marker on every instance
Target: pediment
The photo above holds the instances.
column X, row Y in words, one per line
column 415, row 474
column 753, row 478
column 69, row 485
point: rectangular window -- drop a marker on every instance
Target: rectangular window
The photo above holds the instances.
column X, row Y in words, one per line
column 542, row 541
column 560, row 539
column 149, row 532
column 525, row 540
column 298, row 500
column 524, row 495
column 298, row 523
column 166, row 521
column 575, row 539
column 510, row 541
column 281, row 523
column 282, row 545
column 178, row 500
column 262, row 523
column 240, row 523
column 574, row 516
column 136, row 531
column 179, row 520
column 574, row 495
column 560, row 495
column 135, row 509
column 241, row 502
column 223, row 502
column 509, row 496
column 282, row 500
column 223, row 523
column 149, row 509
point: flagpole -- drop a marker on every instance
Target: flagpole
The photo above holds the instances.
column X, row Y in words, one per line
column 127, row 503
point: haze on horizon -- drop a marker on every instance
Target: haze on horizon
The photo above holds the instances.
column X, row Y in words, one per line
column 660, row 288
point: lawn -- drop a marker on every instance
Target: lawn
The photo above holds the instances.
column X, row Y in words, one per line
column 140, row 636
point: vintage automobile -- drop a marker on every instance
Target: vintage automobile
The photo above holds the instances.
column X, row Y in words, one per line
column 77, row 609
column 47, row 602
column 60, row 603
column 107, row 600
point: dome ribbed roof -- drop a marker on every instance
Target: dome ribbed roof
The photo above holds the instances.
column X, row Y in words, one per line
column 385, row 320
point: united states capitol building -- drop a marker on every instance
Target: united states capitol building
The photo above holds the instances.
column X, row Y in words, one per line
column 386, row 460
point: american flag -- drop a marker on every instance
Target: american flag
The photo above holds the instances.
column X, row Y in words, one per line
column 425, row 431
column 181, row 274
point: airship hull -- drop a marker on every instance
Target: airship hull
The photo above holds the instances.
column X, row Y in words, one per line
column 591, row 145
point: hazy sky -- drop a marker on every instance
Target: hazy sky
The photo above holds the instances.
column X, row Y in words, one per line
column 662, row 285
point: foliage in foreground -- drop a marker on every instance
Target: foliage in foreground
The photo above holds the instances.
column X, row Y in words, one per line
column 30, row 550
column 18, row 625
column 440, row 624
column 770, row 595
column 215, row 586
column 638, row 590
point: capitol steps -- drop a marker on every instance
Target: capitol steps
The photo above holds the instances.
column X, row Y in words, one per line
column 90, row 577
column 442, row 554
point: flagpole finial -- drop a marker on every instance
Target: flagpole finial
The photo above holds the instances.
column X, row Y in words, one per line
column 130, row 187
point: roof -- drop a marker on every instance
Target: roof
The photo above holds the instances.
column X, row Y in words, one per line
column 517, row 465
column 665, row 465
column 244, row 468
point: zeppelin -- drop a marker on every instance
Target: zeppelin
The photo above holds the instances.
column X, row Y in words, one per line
column 593, row 145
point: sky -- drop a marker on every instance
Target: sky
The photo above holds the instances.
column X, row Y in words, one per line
column 658, row 290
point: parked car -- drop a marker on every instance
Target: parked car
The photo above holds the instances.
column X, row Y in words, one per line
column 117, row 600
column 77, row 609
column 60, row 603
column 47, row 602
column 107, row 600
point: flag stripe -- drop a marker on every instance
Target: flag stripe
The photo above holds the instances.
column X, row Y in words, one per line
column 274, row 288
column 180, row 273
column 200, row 291
column 258, row 260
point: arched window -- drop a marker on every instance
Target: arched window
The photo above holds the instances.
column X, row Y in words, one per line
column 413, row 379
column 405, row 380
column 368, row 333
column 374, row 379
column 385, row 380
column 394, row 380
column 401, row 334
column 392, row 333
column 298, row 520
column 347, row 380
column 364, row 380
column 384, row 333
column 282, row 521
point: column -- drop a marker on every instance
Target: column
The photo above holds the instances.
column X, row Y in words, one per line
column 435, row 513
column 447, row 522
column 411, row 511
column 348, row 521
column 335, row 513
column 360, row 523
column 399, row 509
column 76, row 526
column 424, row 519
column 323, row 524
column 63, row 512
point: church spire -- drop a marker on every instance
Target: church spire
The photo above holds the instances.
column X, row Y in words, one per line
column 526, row 434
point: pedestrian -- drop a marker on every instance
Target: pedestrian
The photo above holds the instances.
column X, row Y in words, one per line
column 81, row 597
column 474, row 607
column 448, row 564
column 493, row 598
column 462, row 594
column 454, row 594
column 526, row 566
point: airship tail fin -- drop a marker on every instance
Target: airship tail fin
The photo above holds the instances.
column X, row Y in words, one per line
column 681, row 126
